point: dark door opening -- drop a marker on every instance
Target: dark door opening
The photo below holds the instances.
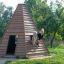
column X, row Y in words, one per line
column 11, row 45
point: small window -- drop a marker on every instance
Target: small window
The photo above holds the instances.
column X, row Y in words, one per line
column 31, row 36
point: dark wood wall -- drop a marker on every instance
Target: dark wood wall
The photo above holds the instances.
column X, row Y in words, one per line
column 15, row 27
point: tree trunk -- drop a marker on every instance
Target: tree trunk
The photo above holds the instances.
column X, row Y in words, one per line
column 51, row 42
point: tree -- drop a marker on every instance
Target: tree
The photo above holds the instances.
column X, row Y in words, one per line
column 53, row 23
column 5, row 15
column 50, row 17
column 39, row 11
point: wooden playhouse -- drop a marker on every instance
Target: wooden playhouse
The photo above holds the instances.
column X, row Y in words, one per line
column 16, row 38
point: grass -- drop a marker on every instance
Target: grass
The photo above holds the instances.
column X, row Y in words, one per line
column 57, row 57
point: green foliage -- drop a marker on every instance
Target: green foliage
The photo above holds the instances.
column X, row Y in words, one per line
column 39, row 11
column 58, row 37
column 5, row 15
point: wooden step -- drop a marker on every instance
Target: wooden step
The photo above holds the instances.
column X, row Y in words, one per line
column 37, row 55
column 31, row 24
column 29, row 21
column 38, row 49
column 36, row 52
column 32, row 47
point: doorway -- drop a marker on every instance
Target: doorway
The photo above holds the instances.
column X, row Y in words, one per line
column 11, row 45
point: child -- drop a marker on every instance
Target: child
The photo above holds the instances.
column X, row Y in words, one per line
column 34, row 37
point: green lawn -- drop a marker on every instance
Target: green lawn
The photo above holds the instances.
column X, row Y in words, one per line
column 57, row 57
